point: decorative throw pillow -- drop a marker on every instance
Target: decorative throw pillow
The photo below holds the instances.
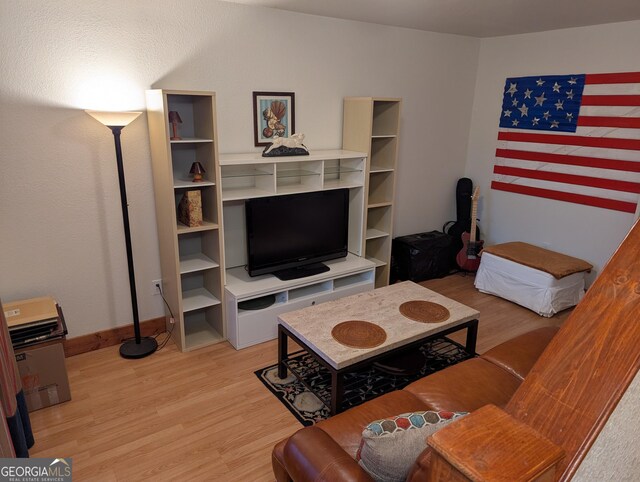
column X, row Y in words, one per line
column 389, row 447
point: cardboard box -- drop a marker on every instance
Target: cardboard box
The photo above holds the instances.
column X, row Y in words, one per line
column 27, row 311
column 33, row 321
column 43, row 374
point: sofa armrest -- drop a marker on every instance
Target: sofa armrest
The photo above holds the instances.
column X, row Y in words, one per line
column 489, row 444
column 311, row 454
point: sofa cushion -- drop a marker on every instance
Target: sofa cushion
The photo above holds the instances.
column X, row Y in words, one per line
column 346, row 427
column 465, row 387
column 390, row 446
column 519, row 354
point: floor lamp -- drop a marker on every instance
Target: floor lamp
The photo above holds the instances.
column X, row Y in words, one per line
column 116, row 121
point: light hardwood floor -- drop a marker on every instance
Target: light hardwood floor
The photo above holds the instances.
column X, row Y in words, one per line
column 202, row 415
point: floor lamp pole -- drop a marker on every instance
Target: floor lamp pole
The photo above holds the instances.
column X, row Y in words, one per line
column 139, row 347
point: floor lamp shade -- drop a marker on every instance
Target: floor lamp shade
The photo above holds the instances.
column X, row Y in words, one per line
column 140, row 346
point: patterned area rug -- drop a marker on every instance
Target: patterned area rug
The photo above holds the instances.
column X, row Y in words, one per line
column 359, row 386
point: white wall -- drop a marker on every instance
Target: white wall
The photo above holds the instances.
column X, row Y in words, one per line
column 586, row 232
column 614, row 455
column 60, row 213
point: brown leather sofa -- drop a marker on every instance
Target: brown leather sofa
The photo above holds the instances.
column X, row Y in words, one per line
column 326, row 451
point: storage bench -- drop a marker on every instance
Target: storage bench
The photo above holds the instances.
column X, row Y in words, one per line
column 539, row 279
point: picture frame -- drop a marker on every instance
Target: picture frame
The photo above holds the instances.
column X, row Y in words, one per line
column 273, row 114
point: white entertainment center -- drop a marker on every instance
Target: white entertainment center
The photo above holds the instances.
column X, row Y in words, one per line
column 211, row 297
column 247, row 176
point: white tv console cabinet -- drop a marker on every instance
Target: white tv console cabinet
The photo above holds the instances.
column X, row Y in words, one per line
column 345, row 277
column 247, row 176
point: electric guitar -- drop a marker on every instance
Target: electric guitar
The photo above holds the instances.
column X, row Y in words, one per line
column 467, row 258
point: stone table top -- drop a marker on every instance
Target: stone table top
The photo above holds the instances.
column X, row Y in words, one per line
column 313, row 324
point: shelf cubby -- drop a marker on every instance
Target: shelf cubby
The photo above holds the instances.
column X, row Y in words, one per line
column 378, row 247
column 245, row 181
column 381, row 186
column 386, row 116
column 279, row 299
column 379, row 220
column 183, row 155
column 197, row 114
column 198, row 251
column 203, row 327
column 209, row 206
column 383, row 153
column 292, row 177
column 200, row 289
column 310, row 290
column 339, row 173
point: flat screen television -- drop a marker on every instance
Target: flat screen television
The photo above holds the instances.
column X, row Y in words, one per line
column 291, row 235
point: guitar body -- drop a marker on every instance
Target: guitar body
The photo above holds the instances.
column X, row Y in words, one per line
column 467, row 258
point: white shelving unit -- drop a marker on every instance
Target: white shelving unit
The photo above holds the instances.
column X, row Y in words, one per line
column 372, row 125
column 246, row 176
column 192, row 258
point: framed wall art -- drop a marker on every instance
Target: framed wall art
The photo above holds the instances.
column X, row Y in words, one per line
column 273, row 115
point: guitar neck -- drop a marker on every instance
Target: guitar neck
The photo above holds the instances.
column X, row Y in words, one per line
column 474, row 215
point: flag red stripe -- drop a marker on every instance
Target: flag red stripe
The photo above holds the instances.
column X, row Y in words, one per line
column 609, row 100
column 623, row 206
column 600, row 121
column 602, row 163
column 605, row 142
column 598, row 182
column 614, row 78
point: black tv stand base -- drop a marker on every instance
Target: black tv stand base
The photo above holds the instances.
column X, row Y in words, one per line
column 301, row 271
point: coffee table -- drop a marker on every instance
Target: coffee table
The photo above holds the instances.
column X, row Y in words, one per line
column 311, row 328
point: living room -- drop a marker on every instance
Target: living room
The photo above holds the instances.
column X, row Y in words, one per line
column 61, row 219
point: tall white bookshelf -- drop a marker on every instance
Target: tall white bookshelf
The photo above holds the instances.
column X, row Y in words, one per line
column 372, row 125
column 191, row 258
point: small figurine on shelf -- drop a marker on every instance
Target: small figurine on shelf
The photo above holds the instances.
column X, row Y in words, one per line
column 174, row 119
column 197, row 170
column 286, row 146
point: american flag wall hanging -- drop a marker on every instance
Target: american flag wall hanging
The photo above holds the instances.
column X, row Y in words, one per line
column 573, row 138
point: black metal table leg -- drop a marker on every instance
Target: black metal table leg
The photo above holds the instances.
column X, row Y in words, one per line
column 282, row 352
column 472, row 337
column 336, row 391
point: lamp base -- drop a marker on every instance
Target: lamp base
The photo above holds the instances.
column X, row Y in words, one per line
column 131, row 349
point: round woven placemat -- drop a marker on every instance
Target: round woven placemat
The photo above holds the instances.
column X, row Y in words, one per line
column 359, row 334
column 424, row 311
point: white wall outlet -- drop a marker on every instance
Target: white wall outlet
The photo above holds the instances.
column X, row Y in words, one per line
column 154, row 286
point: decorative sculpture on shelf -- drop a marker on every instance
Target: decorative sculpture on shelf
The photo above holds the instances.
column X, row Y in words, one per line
column 174, row 119
column 190, row 209
column 286, row 146
column 197, row 170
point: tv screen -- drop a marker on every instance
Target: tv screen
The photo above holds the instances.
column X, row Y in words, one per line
column 291, row 235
